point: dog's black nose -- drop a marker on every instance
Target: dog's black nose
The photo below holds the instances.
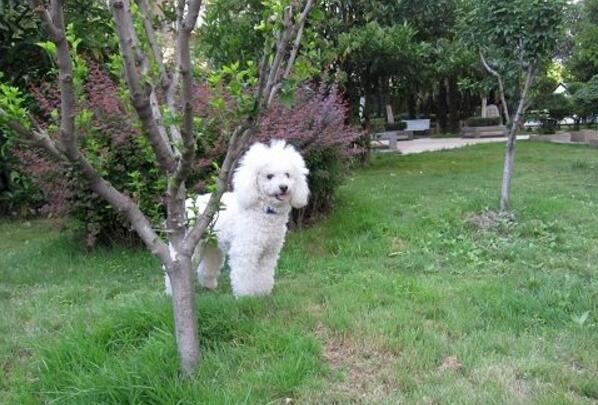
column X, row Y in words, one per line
column 283, row 188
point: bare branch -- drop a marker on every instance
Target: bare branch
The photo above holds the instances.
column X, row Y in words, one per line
column 168, row 80
column 282, row 43
column 267, row 85
column 186, row 26
column 70, row 145
column 37, row 136
column 176, row 193
column 296, row 31
column 299, row 28
column 237, row 142
column 142, row 94
column 148, row 17
column 529, row 78
column 501, row 87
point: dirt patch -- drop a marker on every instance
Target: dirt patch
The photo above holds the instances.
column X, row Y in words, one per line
column 397, row 246
column 450, row 364
column 361, row 372
column 515, row 386
column 491, row 221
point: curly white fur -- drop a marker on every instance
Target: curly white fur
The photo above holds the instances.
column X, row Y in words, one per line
column 251, row 227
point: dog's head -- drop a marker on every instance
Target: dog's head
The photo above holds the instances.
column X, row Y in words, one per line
column 275, row 174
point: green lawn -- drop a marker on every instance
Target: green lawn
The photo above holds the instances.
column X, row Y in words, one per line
column 397, row 297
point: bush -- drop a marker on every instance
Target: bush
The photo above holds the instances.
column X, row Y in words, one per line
column 316, row 125
column 113, row 143
column 397, row 126
column 482, row 121
column 548, row 126
column 377, row 125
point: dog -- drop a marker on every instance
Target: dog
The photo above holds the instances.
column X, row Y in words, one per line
column 251, row 226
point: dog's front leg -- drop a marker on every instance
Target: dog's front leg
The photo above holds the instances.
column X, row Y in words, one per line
column 246, row 275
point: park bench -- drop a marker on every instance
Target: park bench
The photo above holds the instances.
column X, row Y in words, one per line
column 420, row 125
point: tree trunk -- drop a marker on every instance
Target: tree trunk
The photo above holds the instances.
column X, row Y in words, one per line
column 411, row 105
column 453, row 105
column 390, row 118
column 441, row 106
column 507, row 176
column 183, row 306
column 507, row 173
column 484, row 104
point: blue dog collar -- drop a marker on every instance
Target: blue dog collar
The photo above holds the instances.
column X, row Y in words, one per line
column 270, row 210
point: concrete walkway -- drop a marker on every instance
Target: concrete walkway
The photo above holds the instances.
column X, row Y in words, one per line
column 434, row 144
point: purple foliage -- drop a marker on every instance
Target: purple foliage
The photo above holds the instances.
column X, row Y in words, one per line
column 316, row 121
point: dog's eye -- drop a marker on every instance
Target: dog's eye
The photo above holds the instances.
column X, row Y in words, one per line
column 269, row 177
column 288, row 175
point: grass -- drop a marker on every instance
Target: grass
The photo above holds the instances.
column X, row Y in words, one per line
column 397, row 297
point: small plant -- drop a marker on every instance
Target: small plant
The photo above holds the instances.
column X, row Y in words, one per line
column 396, row 126
column 548, row 126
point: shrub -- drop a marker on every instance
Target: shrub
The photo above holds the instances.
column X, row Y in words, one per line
column 548, row 125
column 377, row 125
column 397, row 126
column 482, row 121
column 110, row 138
column 317, row 125
column 113, row 142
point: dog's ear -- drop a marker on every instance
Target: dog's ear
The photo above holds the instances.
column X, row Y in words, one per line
column 300, row 194
column 245, row 178
column 300, row 191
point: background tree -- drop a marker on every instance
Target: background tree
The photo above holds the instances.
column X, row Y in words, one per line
column 582, row 63
column 516, row 40
column 585, row 100
column 168, row 125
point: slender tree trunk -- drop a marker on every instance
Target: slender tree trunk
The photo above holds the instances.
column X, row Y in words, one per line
column 453, row 105
column 484, row 104
column 442, row 107
column 507, row 176
column 411, row 105
column 183, row 307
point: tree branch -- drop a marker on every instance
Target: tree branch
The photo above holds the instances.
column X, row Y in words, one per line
column 142, row 94
column 295, row 30
column 268, row 81
column 299, row 28
column 501, row 87
column 168, row 80
column 237, row 143
column 122, row 203
column 148, row 26
column 281, row 48
column 186, row 26
column 529, row 78
column 38, row 136
column 176, row 192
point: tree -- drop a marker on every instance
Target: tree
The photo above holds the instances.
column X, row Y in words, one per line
column 583, row 61
column 515, row 39
column 227, row 34
column 167, row 122
column 585, row 99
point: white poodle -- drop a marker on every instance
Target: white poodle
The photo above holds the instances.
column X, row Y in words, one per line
column 252, row 224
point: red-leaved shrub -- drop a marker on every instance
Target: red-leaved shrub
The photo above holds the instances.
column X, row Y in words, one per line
column 317, row 125
column 112, row 140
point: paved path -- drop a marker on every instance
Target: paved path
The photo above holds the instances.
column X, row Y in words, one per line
column 434, row 144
